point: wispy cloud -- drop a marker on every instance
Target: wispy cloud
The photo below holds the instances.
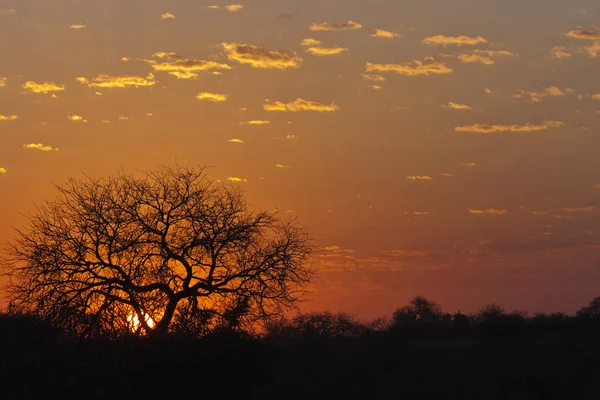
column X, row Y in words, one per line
column 236, row 179
column 456, row 106
column 558, row 52
column 375, row 78
column 167, row 15
column 111, row 82
column 185, row 68
column 3, row 171
column 415, row 68
column 256, row 122
column 380, row 33
column 454, row 40
column 3, row 81
column 483, row 128
column 214, row 97
column 78, row 26
column 310, row 42
column 536, row 97
column 326, row 51
column 259, row 57
column 8, row 117
column 418, row 178
column 39, row 146
column 237, row 141
column 585, row 34
column 300, row 105
column 485, row 57
column 469, row 164
column 43, row 88
column 234, row 7
column 283, row 166
column 326, row 26
column 587, row 209
column 76, row 118
column 593, row 50
column 489, row 211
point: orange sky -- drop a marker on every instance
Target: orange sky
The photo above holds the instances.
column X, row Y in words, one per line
column 441, row 148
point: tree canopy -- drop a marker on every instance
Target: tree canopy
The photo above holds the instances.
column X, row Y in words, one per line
column 169, row 250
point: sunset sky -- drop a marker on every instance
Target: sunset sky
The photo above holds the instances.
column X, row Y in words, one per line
column 449, row 149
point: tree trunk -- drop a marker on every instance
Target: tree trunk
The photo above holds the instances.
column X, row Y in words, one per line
column 162, row 328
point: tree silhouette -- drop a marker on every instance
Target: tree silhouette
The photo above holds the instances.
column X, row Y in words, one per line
column 170, row 250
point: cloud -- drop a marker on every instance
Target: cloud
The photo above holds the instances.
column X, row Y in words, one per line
column 8, row 117
column 234, row 7
column 375, row 87
column 301, row 105
column 185, row 68
column 283, row 166
column 310, row 42
column 457, row 106
column 167, row 15
column 550, row 91
column 256, row 122
column 592, row 50
column 124, row 118
column 3, row 81
column 325, row 51
column 415, row 68
column 418, row 178
column 469, row 164
column 489, row 211
column 596, row 96
column 259, row 57
column 380, row 33
column 10, row 11
column 454, row 40
column 78, row 26
column 325, row 26
column 585, row 34
column 45, row 87
column 2, row 171
column 110, row 82
column 234, row 140
column 214, row 7
column 375, row 78
column 485, row 57
column 488, row 91
column 76, row 118
column 214, row 97
column 483, row 128
column 558, row 52
column 587, row 209
column 39, row 146
column 236, row 179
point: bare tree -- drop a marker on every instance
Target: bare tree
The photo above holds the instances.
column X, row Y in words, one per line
column 168, row 250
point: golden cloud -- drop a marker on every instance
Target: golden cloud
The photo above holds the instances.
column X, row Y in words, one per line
column 375, row 87
column 592, row 50
column 185, row 68
column 469, row 164
column 418, row 178
column 214, row 7
column 39, row 146
column 283, row 166
column 214, row 97
column 234, row 7
column 489, row 211
column 256, row 122
column 550, row 91
column 415, row 68
column 236, row 179
column 167, row 15
column 325, row 51
column 259, row 57
column 110, row 82
column 375, row 78
column 301, row 105
column 76, row 118
column 485, row 57
column 8, row 117
column 596, row 96
column 234, row 140
column 558, row 52
column 2, row 171
column 310, row 42
column 44, row 88
column 585, row 34
column 482, row 128
column 380, row 33
column 2, row 82
column 454, row 40
column 78, row 26
column 456, row 106
column 325, row 26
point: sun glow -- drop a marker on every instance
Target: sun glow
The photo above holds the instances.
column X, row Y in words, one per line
column 135, row 324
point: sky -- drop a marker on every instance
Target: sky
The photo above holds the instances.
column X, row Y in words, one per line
column 441, row 148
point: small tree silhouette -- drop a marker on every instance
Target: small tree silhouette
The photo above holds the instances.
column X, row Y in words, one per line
column 170, row 250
